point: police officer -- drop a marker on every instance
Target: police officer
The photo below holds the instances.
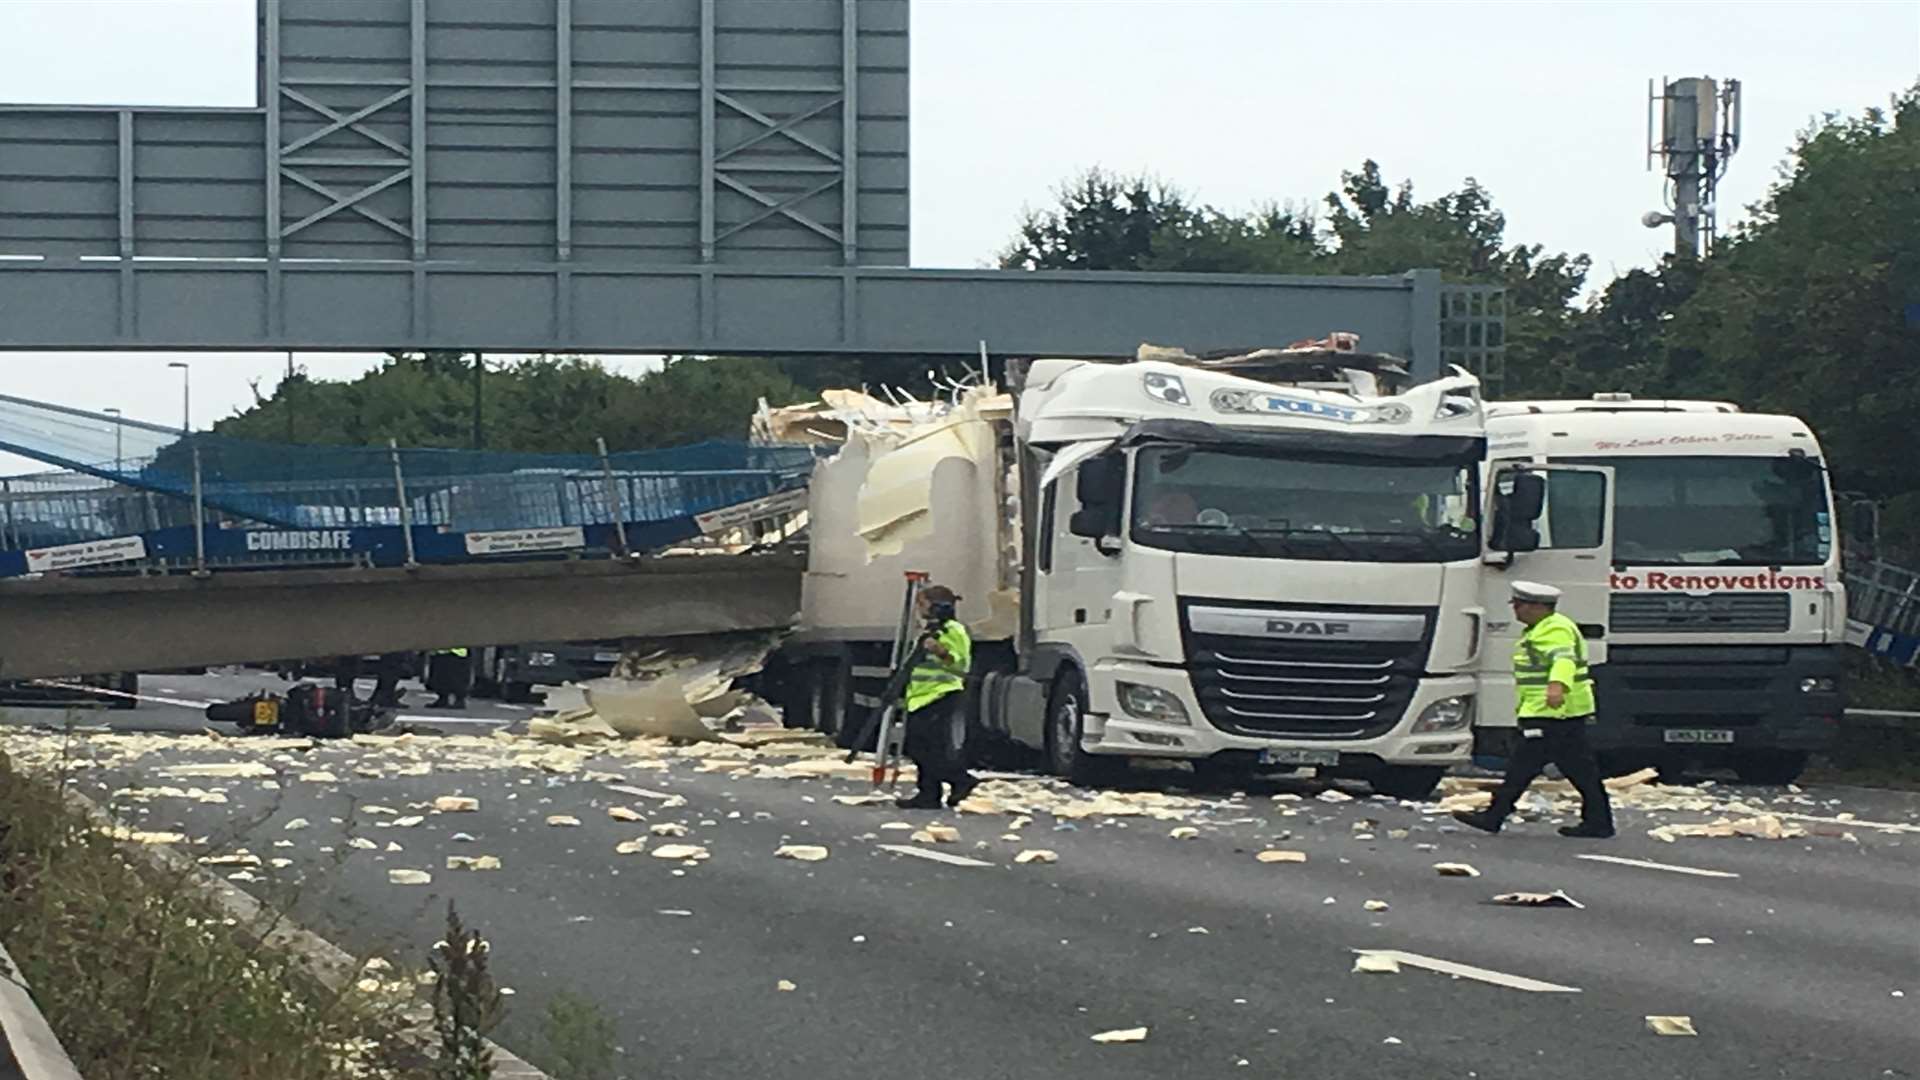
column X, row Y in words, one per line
column 934, row 696
column 1554, row 705
column 449, row 676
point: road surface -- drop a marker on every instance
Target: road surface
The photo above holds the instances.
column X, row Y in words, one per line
column 1793, row 958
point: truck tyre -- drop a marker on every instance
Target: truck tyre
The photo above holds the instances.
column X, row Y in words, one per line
column 1771, row 767
column 128, row 683
column 1414, row 782
column 1066, row 721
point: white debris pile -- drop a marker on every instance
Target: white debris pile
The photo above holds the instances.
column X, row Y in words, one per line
column 1036, row 795
column 686, row 693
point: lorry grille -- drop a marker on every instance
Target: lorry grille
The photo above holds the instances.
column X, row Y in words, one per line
column 1676, row 613
column 1333, row 689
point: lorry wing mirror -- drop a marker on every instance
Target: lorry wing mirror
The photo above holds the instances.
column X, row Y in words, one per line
column 1094, row 522
column 1528, row 497
column 1098, row 481
column 1519, row 498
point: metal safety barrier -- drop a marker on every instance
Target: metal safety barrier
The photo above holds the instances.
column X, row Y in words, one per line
column 31, row 1050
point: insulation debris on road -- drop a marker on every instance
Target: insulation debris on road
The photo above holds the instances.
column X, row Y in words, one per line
column 1276, row 855
column 473, row 862
column 1455, row 869
column 1122, row 1035
column 1671, row 1025
column 456, row 804
column 409, row 877
column 1036, row 855
column 802, row 852
column 1556, row 898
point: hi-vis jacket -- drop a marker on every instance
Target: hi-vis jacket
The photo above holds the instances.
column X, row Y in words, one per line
column 934, row 678
column 1552, row 650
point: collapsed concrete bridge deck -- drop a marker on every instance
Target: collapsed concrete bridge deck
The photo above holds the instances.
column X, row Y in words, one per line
column 64, row 626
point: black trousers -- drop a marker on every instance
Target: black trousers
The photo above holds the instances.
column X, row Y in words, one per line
column 929, row 744
column 1563, row 743
column 450, row 676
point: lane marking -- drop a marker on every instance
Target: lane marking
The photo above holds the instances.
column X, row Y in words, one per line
column 1648, row 864
column 1888, row 826
column 929, row 853
column 1468, row 971
column 101, row 691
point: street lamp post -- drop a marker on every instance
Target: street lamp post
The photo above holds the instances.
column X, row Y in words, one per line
column 186, row 394
column 117, row 431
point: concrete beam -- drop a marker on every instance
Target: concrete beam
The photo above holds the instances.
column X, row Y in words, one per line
column 55, row 627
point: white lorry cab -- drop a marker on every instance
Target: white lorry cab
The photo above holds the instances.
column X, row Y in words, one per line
column 1718, row 620
column 1271, row 560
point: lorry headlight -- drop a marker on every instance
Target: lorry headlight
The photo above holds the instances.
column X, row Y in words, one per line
column 541, row 659
column 1150, row 703
column 1817, row 685
column 1447, row 714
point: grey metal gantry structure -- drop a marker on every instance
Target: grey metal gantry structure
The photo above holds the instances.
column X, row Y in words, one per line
column 580, row 175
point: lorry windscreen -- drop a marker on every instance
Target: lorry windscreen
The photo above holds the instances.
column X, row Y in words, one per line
column 1718, row 511
column 1247, row 503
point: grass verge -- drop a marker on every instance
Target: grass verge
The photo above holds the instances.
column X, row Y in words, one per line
column 141, row 977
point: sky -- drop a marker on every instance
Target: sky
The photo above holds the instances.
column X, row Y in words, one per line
column 1236, row 102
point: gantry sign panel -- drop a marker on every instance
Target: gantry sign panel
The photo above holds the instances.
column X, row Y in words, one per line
column 566, row 175
column 737, row 132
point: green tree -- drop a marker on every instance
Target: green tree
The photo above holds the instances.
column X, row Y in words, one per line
column 1103, row 221
column 1107, row 222
column 545, row 404
column 1806, row 308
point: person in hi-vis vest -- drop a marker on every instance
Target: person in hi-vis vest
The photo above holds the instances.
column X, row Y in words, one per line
column 1553, row 692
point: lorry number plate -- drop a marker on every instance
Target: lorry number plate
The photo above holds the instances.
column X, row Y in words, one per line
column 1698, row 735
column 266, row 713
column 1291, row 756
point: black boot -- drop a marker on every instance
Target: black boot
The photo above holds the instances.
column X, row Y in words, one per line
column 1478, row 819
column 962, row 788
column 1588, row 831
column 922, row 799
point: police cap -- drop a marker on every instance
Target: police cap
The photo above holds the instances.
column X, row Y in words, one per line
column 1533, row 592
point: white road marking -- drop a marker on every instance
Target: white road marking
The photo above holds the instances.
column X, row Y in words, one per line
column 929, row 853
column 188, row 703
column 1849, row 823
column 1647, row 864
column 1468, row 971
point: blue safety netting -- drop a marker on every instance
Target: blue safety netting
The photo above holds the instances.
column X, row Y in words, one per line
column 122, row 476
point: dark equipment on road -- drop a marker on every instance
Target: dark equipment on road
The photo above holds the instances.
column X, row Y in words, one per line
column 307, row 709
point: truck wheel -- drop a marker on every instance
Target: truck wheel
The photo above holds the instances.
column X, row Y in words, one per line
column 129, row 683
column 516, row 693
column 1414, row 782
column 1066, row 721
column 1770, row 766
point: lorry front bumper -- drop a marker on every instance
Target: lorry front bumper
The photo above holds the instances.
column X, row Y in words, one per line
column 1672, row 698
column 1110, row 730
